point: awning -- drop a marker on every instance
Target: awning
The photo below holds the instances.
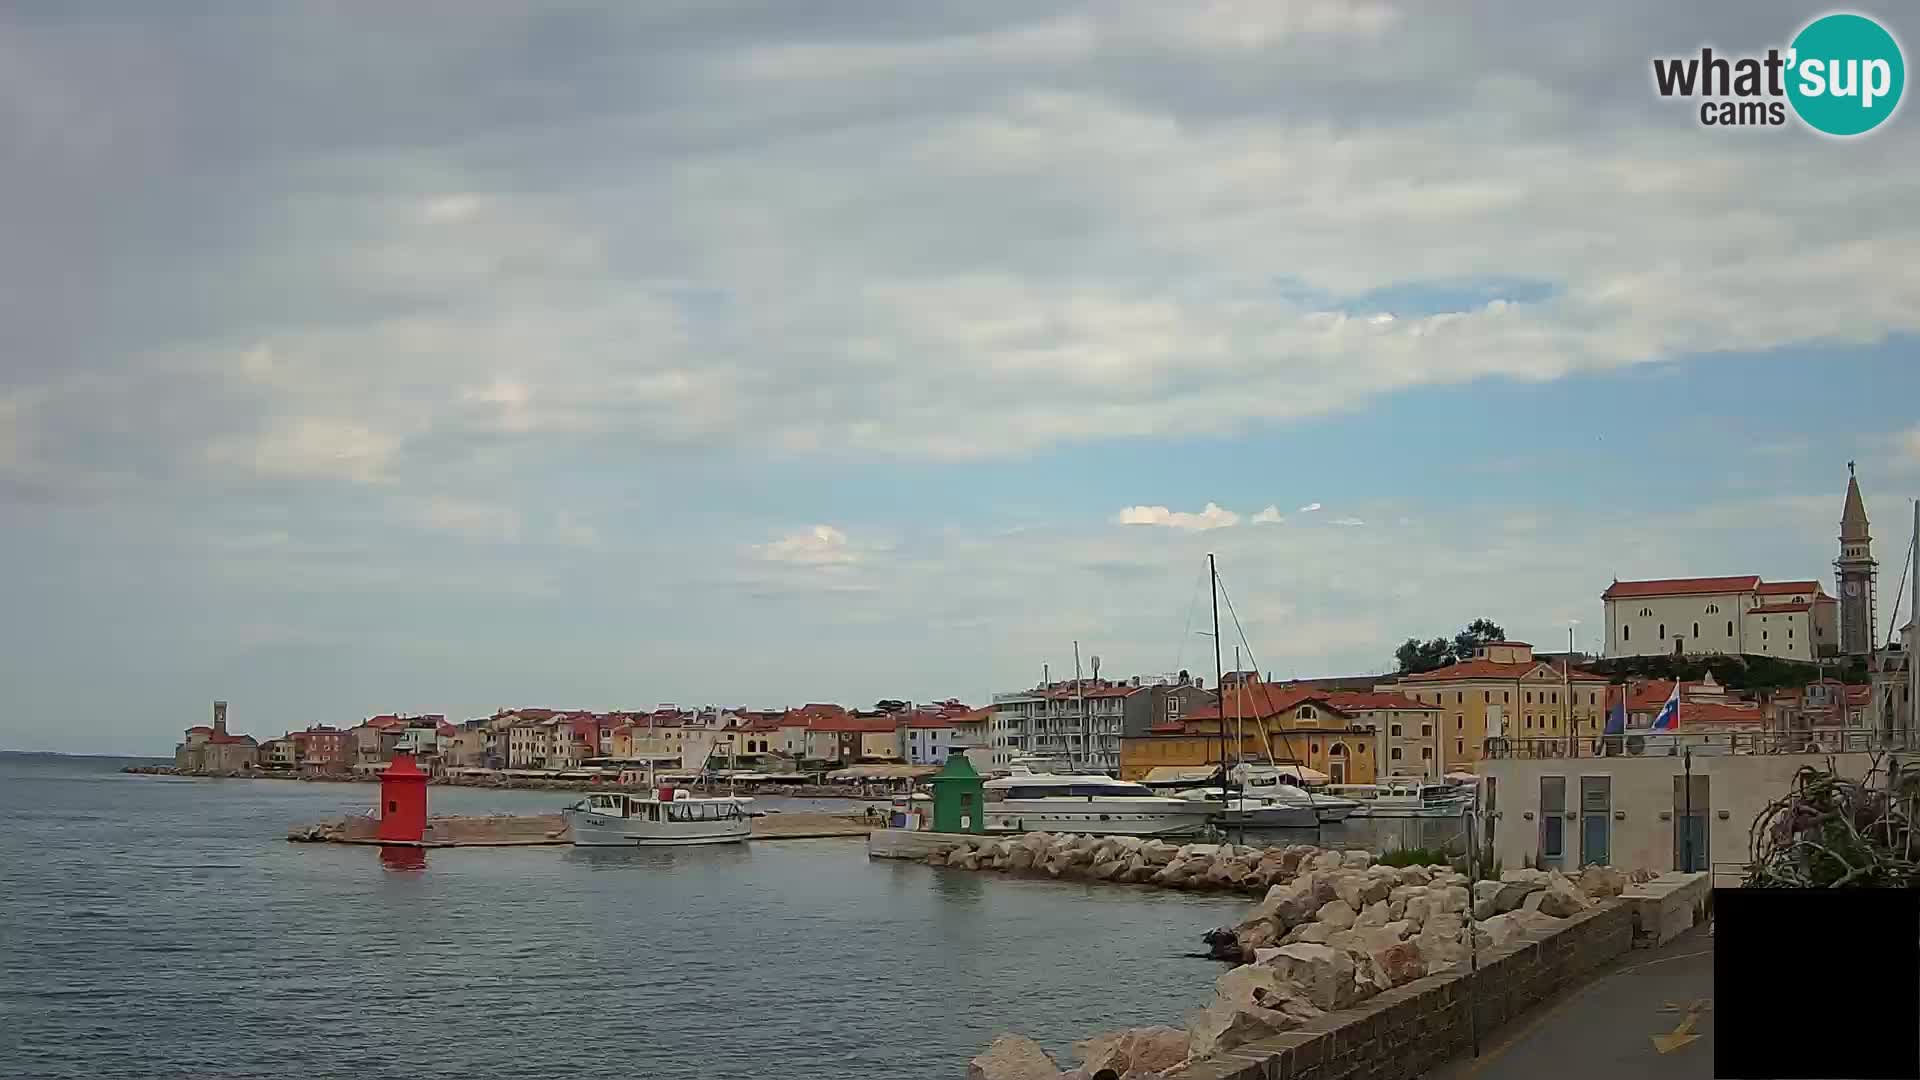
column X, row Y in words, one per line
column 1163, row 775
column 883, row 772
column 1289, row 773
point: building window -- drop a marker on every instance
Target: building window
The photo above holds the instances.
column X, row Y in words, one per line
column 1646, row 613
column 1529, row 697
column 1396, row 754
column 1763, row 635
column 1713, row 609
column 1487, row 697
column 1729, row 627
column 1626, row 633
column 1663, row 631
column 1789, row 633
column 1696, row 629
column 1395, row 730
column 1426, row 753
column 1556, row 698
column 1307, row 713
column 1459, row 698
column 1506, row 697
column 1426, row 730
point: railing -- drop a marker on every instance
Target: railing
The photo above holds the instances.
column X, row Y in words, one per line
column 1643, row 744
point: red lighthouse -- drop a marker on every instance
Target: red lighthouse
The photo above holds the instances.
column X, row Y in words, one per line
column 403, row 802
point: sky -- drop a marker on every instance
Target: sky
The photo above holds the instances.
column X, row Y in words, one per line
column 459, row 356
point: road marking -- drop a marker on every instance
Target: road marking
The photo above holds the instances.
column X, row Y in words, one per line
column 1682, row 1034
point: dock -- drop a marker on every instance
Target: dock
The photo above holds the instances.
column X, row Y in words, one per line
column 534, row 830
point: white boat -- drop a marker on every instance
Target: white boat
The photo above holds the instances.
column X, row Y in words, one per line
column 1252, row 811
column 1407, row 797
column 617, row 819
column 1087, row 803
column 1293, row 807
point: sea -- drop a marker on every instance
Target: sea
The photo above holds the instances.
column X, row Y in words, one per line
column 164, row 927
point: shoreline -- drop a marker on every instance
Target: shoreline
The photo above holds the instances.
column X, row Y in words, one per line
column 520, row 783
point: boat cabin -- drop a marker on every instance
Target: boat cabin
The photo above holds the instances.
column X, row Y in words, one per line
column 679, row 807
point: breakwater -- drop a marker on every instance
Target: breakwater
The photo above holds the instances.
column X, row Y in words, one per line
column 1337, row 944
column 521, row 830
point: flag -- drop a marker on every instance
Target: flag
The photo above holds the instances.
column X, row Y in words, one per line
column 1668, row 720
column 1617, row 719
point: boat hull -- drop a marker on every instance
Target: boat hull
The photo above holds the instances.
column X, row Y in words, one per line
column 1020, row 815
column 600, row 830
column 1269, row 817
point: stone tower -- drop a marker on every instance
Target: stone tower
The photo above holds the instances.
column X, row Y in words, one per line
column 1854, row 572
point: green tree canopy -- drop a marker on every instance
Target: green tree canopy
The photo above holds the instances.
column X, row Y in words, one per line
column 1415, row 656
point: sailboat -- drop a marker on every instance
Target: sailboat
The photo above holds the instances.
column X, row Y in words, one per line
column 1274, row 804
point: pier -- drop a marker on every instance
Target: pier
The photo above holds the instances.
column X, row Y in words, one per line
column 532, row 830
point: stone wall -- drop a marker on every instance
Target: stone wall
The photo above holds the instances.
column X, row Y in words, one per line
column 1404, row 1032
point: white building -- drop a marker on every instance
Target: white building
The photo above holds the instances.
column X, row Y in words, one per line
column 1792, row 620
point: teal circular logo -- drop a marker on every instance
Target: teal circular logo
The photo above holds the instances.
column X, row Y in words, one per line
column 1845, row 74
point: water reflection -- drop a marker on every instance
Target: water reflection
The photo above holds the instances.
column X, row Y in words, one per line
column 660, row 859
column 403, row 858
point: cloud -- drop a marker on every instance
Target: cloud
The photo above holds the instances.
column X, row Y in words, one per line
column 457, row 278
column 1349, row 522
column 569, row 531
column 819, row 546
column 1270, row 516
column 481, row 521
column 1310, row 508
column 311, row 447
column 1210, row 517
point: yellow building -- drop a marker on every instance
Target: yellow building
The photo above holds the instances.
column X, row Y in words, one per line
column 1288, row 726
column 1504, row 692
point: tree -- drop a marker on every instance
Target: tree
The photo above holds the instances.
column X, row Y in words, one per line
column 889, row 705
column 1479, row 632
column 1416, row 656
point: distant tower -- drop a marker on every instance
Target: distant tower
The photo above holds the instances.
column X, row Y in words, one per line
column 220, row 717
column 1854, row 572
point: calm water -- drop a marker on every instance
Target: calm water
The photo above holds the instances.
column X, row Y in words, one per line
column 157, row 928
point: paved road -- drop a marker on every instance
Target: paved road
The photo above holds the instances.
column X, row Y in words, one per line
column 1607, row 1029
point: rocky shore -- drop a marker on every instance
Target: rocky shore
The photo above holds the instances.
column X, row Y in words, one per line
column 525, row 783
column 1332, row 929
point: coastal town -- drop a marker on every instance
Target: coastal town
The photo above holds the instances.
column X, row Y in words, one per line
column 1784, row 662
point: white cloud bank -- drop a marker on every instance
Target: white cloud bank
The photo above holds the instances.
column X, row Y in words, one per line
column 1210, row 517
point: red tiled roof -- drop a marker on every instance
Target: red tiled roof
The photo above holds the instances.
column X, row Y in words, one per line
column 1779, row 609
column 1770, row 588
column 1488, row 669
column 1681, row 586
column 1716, row 713
column 975, row 716
column 1517, row 644
column 1259, row 701
column 872, row 725
column 230, row 740
column 1166, row 727
column 1859, row 695
column 1357, row 701
column 929, row 721
column 446, row 729
column 199, row 729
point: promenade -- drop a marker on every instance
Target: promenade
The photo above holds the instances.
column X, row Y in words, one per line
column 1650, row 1017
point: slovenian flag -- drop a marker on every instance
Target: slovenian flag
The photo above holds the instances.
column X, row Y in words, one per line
column 1617, row 719
column 1669, row 717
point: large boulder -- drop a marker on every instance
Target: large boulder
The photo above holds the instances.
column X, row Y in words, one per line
column 1562, row 899
column 1415, row 875
column 1374, row 914
column 1105, row 871
column 1502, row 928
column 1399, row 963
column 1313, row 931
column 1257, row 934
column 1013, row 1057
column 1355, row 860
column 1602, row 881
column 1324, row 973
column 1327, row 860
column 1526, row 874
column 1133, row 1051
column 1020, row 859
column 1417, row 908
column 1337, row 915
column 1450, row 899
column 1512, row 894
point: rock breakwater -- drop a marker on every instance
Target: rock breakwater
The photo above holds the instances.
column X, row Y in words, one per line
column 1331, row 930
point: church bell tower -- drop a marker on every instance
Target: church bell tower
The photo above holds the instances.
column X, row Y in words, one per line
column 1854, row 572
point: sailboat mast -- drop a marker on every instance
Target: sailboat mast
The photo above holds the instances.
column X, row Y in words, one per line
column 1213, row 586
column 1080, row 706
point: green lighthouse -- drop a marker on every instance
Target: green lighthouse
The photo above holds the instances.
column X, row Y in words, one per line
column 959, row 796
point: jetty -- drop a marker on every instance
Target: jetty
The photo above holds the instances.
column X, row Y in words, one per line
column 530, row 830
